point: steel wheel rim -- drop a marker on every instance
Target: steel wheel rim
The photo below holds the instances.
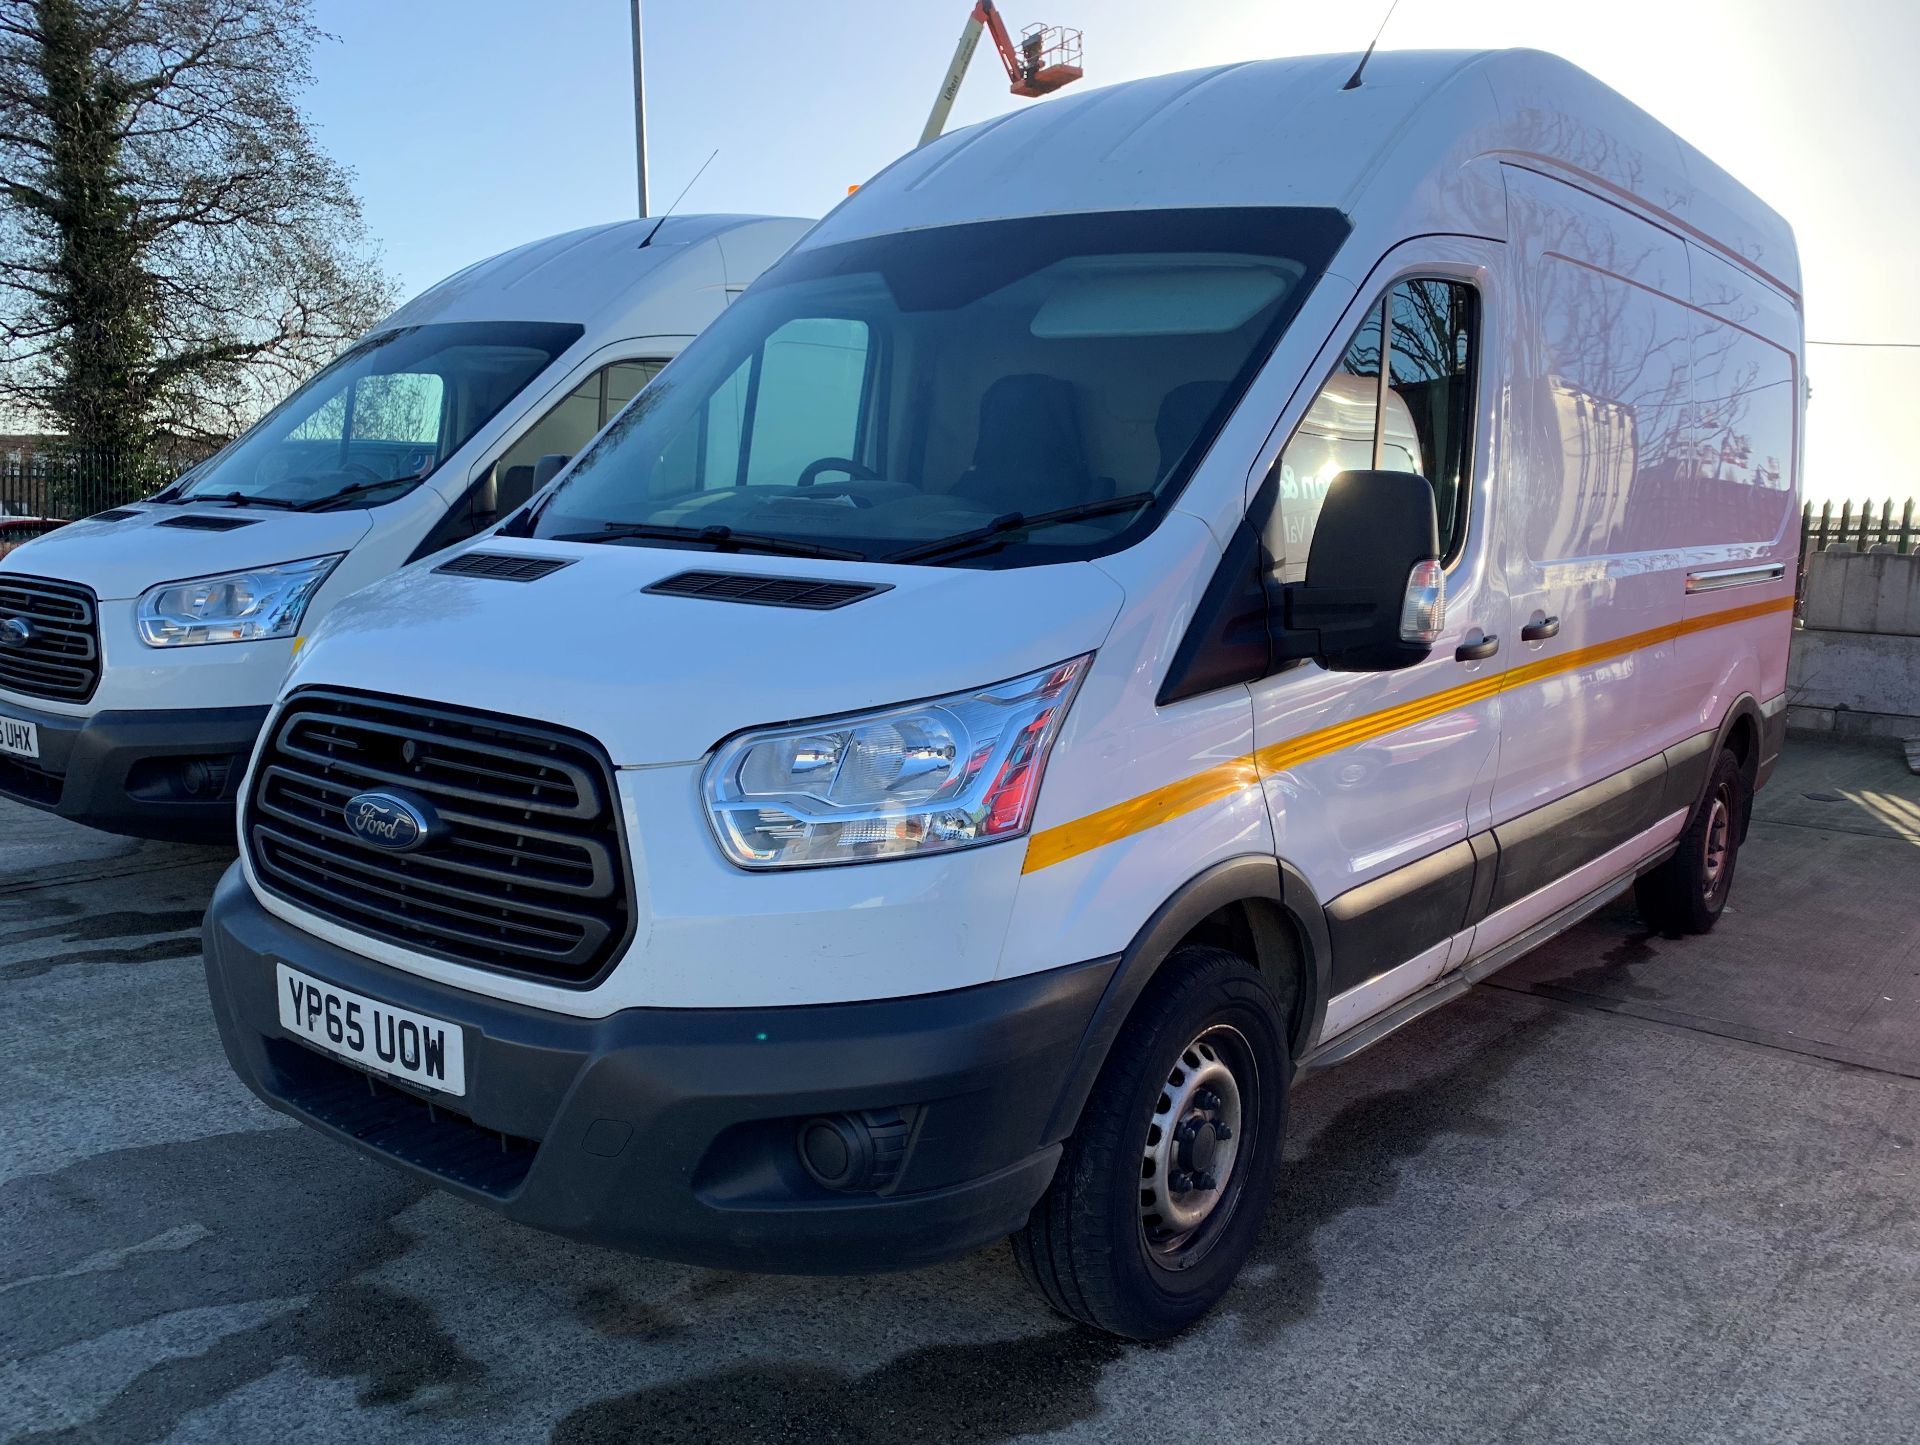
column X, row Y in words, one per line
column 1197, row 1125
column 1716, row 846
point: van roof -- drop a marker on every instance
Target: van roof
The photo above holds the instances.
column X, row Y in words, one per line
column 1416, row 148
column 605, row 275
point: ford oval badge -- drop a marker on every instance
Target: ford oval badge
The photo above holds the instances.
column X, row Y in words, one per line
column 15, row 632
column 396, row 821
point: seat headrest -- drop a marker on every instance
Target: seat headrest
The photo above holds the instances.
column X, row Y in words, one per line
column 1183, row 411
column 1030, row 424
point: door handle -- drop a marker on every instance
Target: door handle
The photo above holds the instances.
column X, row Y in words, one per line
column 1476, row 651
column 1540, row 631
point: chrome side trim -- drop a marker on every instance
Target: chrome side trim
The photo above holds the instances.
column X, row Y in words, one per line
column 1723, row 577
column 1380, row 993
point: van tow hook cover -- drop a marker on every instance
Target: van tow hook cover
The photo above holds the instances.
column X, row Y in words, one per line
column 393, row 819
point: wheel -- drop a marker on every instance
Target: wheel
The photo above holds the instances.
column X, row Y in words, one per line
column 1162, row 1187
column 1688, row 892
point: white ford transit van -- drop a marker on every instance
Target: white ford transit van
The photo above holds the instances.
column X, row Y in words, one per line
column 1153, row 593
column 139, row 650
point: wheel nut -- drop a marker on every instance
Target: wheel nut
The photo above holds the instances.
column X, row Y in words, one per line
column 1223, row 1131
column 1180, row 1181
column 1207, row 1181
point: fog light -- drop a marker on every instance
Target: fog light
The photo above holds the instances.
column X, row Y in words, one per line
column 854, row 1152
column 182, row 780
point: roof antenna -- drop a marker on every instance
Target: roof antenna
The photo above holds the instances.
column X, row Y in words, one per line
column 703, row 170
column 662, row 219
column 1353, row 81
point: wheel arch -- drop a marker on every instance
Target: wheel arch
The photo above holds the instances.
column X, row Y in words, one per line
column 1256, row 904
column 1740, row 730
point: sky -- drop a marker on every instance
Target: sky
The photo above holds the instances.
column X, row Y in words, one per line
column 475, row 125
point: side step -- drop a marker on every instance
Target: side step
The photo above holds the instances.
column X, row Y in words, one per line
column 1363, row 1036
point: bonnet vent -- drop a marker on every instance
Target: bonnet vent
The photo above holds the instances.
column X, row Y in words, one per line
column 807, row 592
column 503, row 566
column 117, row 514
column 193, row 522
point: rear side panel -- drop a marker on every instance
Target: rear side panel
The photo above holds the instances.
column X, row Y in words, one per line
column 1653, row 519
column 1738, row 514
column 1591, row 516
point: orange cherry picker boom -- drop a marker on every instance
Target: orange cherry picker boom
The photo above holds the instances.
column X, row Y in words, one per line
column 1046, row 58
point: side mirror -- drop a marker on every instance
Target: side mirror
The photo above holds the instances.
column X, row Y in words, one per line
column 548, row 467
column 1375, row 595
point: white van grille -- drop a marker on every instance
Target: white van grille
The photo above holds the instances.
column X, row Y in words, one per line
column 49, row 638
column 529, row 876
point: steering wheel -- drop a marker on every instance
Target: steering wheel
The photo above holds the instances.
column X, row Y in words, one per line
column 856, row 471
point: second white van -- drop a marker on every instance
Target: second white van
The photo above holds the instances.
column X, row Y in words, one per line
column 139, row 649
column 1155, row 592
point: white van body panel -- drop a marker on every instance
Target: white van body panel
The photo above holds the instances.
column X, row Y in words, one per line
column 639, row 289
column 1426, row 160
column 120, row 558
column 816, row 665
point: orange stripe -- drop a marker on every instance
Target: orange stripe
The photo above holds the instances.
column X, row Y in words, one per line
column 1222, row 780
column 1136, row 815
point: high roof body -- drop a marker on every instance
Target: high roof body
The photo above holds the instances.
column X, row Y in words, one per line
column 608, row 275
column 1417, row 148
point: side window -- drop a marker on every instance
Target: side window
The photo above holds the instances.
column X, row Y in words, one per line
column 1420, row 420
column 796, row 400
column 1336, row 435
column 624, row 380
column 325, row 423
column 1430, row 362
column 567, row 427
column 401, row 407
column 812, row 382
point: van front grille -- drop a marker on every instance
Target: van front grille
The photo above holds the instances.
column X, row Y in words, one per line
column 49, row 638
column 529, row 874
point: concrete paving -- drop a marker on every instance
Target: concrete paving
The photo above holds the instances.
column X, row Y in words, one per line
column 1633, row 1189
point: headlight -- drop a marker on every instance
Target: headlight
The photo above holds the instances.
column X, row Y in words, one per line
column 948, row 773
column 233, row 607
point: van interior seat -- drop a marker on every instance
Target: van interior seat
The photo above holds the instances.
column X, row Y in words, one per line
column 515, row 486
column 1030, row 455
column 1183, row 411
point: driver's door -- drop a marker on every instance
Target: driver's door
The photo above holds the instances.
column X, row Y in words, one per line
column 1376, row 780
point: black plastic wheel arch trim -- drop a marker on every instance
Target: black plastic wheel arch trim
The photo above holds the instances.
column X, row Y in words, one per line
column 1293, row 921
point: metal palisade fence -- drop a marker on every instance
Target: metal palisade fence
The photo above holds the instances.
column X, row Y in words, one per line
column 42, row 485
column 1891, row 524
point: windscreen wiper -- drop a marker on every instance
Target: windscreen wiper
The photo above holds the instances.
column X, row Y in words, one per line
column 1001, row 530
column 356, row 490
column 723, row 539
column 241, row 499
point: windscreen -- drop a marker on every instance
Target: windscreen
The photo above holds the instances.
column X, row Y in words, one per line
column 875, row 398
column 379, row 420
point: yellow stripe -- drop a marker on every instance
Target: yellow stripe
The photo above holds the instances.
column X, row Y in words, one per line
column 1222, row 780
column 1136, row 815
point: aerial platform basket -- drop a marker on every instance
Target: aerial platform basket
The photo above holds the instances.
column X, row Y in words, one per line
column 1049, row 59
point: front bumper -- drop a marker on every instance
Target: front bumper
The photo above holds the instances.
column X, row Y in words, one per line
column 673, row 1132
column 172, row 773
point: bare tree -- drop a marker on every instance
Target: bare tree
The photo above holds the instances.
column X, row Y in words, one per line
column 175, row 249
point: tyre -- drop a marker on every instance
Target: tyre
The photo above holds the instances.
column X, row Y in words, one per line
column 1162, row 1188
column 1687, row 893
